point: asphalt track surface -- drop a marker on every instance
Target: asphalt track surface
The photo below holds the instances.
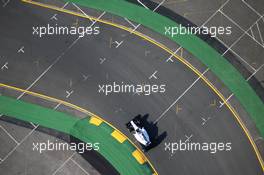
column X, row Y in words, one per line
column 128, row 64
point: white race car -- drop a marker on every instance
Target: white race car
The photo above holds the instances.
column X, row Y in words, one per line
column 136, row 128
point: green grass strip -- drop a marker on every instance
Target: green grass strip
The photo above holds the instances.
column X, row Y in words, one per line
column 119, row 155
column 200, row 49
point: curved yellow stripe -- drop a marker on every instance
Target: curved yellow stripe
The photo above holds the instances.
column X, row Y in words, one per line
column 52, row 99
column 189, row 65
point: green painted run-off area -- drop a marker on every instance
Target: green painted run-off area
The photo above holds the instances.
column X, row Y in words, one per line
column 119, row 155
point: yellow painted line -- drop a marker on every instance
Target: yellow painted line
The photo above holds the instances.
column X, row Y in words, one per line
column 52, row 99
column 185, row 62
column 96, row 121
column 118, row 136
column 139, row 157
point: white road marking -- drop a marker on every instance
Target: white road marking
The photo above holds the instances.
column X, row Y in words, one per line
column 21, row 50
column 222, row 6
column 205, row 120
column 69, row 93
column 134, row 26
column 245, row 31
column 70, row 83
column 254, row 10
column 252, row 34
column 5, row 66
column 136, row 92
column 159, row 5
column 85, row 77
column 142, row 4
column 33, row 124
column 93, row 21
column 261, row 38
column 102, row 60
column 54, row 17
column 67, row 160
column 57, row 106
column 170, row 58
column 188, row 138
column 147, row 8
column 242, row 59
column 23, row 140
column 46, row 70
column 18, row 145
column 82, row 11
column 5, row 3
column 162, row 115
column 222, row 103
column 2, row 160
column 80, row 166
column 153, row 75
column 118, row 43
column 9, row 134
column 242, row 36
column 99, row 17
column 65, row 5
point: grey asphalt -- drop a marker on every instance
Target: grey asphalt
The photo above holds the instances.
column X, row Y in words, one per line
column 127, row 63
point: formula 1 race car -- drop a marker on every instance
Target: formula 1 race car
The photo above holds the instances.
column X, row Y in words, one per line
column 135, row 126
